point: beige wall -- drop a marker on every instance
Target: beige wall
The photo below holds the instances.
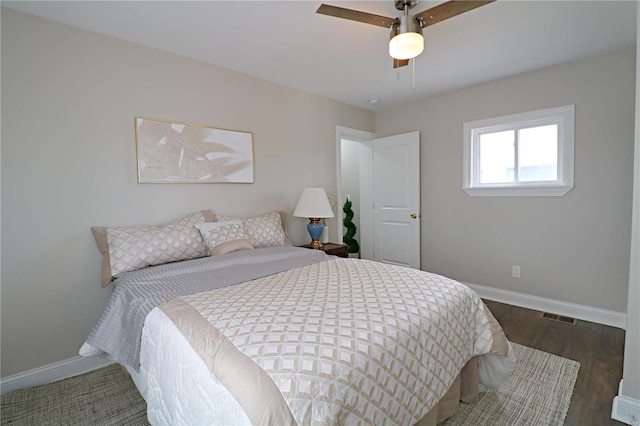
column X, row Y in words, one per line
column 69, row 98
column 631, row 379
column 573, row 248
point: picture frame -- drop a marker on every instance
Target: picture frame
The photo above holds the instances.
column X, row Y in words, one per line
column 176, row 152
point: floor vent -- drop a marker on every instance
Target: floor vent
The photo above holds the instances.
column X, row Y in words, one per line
column 559, row 318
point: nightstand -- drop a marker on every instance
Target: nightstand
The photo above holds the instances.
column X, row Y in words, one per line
column 339, row 250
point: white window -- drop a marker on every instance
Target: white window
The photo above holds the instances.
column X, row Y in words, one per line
column 529, row 154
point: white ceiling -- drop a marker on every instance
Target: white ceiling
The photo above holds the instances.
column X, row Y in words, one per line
column 288, row 43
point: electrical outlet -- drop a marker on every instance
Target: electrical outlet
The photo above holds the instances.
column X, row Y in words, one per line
column 515, row 271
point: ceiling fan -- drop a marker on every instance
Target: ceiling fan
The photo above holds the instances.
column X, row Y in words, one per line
column 406, row 31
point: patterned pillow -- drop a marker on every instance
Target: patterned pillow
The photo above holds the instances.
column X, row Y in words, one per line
column 224, row 237
column 135, row 247
column 263, row 231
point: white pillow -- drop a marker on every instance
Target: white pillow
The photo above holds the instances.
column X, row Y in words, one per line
column 224, row 237
column 266, row 230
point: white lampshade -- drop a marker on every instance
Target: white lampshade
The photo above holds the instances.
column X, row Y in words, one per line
column 313, row 203
column 406, row 45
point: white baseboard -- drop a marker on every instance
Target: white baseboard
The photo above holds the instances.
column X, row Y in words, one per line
column 52, row 372
column 625, row 409
column 583, row 312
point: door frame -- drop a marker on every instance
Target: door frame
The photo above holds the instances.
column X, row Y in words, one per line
column 366, row 185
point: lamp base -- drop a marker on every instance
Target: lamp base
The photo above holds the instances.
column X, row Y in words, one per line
column 315, row 228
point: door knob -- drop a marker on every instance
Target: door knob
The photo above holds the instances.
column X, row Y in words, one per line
column 414, row 215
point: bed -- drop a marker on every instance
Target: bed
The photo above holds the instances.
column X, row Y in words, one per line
column 286, row 335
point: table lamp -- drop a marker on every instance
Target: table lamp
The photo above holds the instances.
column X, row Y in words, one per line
column 314, row 204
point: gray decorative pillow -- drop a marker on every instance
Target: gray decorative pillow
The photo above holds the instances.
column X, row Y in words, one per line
column 128, row 248
column 224, row 237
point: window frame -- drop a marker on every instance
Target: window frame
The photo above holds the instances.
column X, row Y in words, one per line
column 563, row 117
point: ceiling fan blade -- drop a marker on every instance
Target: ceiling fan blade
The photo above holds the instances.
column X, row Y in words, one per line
column 397, row 63
column 448, row 10
column 355, row 15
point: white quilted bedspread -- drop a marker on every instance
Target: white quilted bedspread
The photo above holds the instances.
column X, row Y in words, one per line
column 351, row 341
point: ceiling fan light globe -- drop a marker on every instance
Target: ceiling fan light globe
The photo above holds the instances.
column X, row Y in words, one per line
column 406, row 45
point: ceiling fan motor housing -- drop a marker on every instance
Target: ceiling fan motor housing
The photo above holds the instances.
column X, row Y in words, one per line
column 408, row 24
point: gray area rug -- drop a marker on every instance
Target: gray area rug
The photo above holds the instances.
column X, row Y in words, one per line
column 106, row 396
column 538, row 393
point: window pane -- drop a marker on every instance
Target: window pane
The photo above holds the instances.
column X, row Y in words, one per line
column 538, row 154
column 496, row 157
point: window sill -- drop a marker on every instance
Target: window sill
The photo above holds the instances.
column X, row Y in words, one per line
column 530, row 191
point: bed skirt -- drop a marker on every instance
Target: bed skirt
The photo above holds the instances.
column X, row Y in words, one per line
column 465, row 388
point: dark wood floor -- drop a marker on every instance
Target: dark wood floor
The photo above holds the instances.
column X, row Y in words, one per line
column 598, row 348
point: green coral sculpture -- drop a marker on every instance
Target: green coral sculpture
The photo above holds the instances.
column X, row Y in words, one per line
column 348, row 239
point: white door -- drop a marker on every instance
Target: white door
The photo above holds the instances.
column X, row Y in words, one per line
column 396, row 199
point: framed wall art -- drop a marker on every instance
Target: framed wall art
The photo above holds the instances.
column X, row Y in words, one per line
column 171, row 152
